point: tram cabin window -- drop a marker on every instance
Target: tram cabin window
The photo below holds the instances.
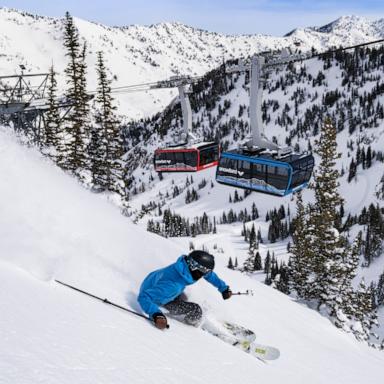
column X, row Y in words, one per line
column 227, row 167
column 209, row 155
column 179, row 158
column 277, row 176
column 259, row 171
column 244, row 170
column 302, row 171
column 160, row 156
column 190, row 158
column 164, row 159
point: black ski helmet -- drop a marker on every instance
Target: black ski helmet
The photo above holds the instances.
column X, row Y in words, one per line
column 203, row 258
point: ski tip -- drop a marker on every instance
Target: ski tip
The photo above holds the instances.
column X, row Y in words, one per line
column 265, row 352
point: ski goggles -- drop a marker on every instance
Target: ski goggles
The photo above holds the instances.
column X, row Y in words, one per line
column 195, row 266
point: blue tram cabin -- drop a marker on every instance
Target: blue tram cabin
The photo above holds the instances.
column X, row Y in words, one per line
column 263, row 171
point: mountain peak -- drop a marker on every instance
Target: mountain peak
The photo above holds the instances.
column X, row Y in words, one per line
column 353, row 24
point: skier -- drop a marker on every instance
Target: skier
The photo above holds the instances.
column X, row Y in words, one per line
column 164, row 287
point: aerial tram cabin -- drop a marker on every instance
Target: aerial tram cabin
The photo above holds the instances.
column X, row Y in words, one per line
column 187, row 158
column 261, row 165
column 262, row 171
column 189, row 155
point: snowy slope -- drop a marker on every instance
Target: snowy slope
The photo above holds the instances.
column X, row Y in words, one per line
column 140, row 54
column 49, row 334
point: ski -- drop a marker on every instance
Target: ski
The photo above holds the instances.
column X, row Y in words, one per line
column 229, row 332
column 239, row 331
column 240, row 337
column 265, row 352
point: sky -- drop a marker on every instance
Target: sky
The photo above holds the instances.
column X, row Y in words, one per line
column 272, row 17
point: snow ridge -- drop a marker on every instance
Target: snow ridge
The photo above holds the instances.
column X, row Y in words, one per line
column 139, row 54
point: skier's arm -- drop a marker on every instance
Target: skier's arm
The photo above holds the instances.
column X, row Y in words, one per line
column 147, row 304
column 212, row 278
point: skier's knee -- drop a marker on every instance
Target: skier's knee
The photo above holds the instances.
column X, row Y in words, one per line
column 195, row 314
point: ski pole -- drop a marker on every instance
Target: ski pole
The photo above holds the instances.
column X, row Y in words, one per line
column 106, row 301
column 247, row 292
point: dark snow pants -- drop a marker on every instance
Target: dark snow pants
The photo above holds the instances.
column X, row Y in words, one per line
column 187, row 312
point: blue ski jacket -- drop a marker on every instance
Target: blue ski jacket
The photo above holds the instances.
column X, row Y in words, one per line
column 164, row 285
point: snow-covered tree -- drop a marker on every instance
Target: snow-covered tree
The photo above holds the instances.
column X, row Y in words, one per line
column 258, row 262
column 326, row 243
column 106, row 159
column 76, row 129
column 253, row 245
column 52, row 132
column 96, row 153
column 380, row 291
column 361, row 312
column 301, row 265
column 323, row 264
column 249, row 263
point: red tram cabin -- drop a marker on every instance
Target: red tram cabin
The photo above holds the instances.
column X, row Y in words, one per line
column 183, row 158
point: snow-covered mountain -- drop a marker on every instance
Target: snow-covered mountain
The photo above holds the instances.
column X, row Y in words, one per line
column 346, row 30
column 354, row 26
column 141, row 54
column 58, row 230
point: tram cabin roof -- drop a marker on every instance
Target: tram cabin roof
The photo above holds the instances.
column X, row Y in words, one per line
column 266, row 155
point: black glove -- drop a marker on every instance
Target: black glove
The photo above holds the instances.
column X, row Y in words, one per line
column 160, row 320
column 226, row 294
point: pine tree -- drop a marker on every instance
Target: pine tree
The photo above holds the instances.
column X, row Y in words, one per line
column 75, row 137
column 302, row 256
column 380, row 290
column 352, row 170
column 150, row 226
column 249, row 263
column 84, row 109
column 230, row 263
column 267, row 263
column 368, row 160
column 255, row 212
column 96, row 159
column 259, row 237
column 253, row 262
column 52, row 131
column 253, row 240
column 326, row 240
column 274, row 267
column 258, row 262
column 358, row 155
column 111, row 171
column 282, row 280
column 335, row 262
column 362, row 312
column 363, row 163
